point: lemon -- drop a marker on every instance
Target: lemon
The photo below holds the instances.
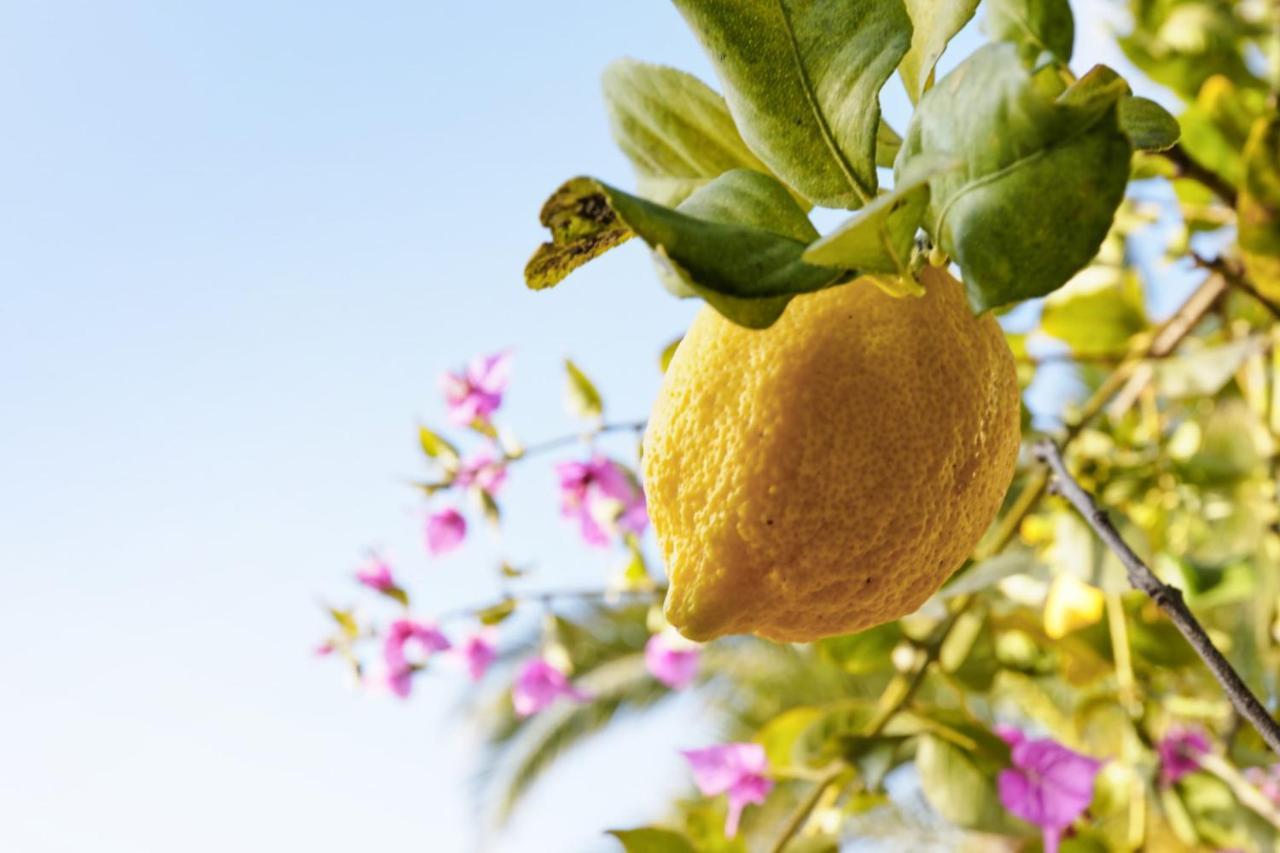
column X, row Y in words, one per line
column 827, row 474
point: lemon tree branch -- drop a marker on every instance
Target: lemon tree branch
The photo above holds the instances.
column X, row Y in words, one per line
column 1167, row 598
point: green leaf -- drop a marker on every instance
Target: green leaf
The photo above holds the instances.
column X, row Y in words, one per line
column 1043, row 25
column 652, row 840
column 583, row 398
column 497, row 613
column 668, row 352
column 933, row 24
column 957, row 788
column 1181, row 44
column 1097, row 312
column 437, row 447
column 888, row 143
column 675, row 130
column 1029, row 164
column 1204, row 372
column 880, row 237
column 1148, row 125
column 737, row 242
column 865, row 652
column 346, row 621
column 1258, row 208
column 1216, row 127
column 803, row 80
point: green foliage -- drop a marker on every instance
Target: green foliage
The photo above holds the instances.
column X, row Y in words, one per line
column 1147, row 124
column 932, row 26
column 1019, row 139
column 1097, row 313
column 1258, row 210
column 737, row 242
column 1043, row 26
column 583, row 398
column 675, row 129
column 652, row 840
column 803, row 82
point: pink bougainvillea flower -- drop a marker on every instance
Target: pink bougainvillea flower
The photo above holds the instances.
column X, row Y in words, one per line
column 445, row 531
column 323, row 649
column 402, row 636
column 671, row 662
column 538, row 684
column 736, row 769
column 1180, row 751
column 476, row 393
column 376, row 574
column 478, row 651
column 1048, row 785
column 482, row 471
column 602, row 498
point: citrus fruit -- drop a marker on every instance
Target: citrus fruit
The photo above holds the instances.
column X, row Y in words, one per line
column 828, row 473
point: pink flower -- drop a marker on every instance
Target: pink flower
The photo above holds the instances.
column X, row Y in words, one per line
column 1266, row 780
column 476, row 393
column 376, row 574
column 323, row 649
column 601, row 496
column 445, row 531
column 483, row 472
column 674, row 665
column 478, row 652
column 1180, row 751
column 736, row 769
column 401, row 635
column 1048, row 785
column 538, row 684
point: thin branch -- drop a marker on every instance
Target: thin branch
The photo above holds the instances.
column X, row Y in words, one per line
column 806, row 806
column 551, row 596
column 1237, row 278
column 1167, row 598
column 1193, row 169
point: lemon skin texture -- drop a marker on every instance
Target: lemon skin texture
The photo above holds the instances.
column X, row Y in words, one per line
column 830, row 472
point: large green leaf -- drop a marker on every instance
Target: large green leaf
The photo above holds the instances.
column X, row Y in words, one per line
column 803, row 81
column 675, row 129
column 1029, row 162
column 1042, row 25
column 960, row 785
column 737, row 242
column 932, row 25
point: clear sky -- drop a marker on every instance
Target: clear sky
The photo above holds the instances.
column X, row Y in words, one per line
column 238, row 242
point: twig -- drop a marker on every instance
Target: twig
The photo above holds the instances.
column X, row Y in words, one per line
column 550, row 596
column 1211, row 180
column 806, row 806
column 1236, row 277
column 1167, row 598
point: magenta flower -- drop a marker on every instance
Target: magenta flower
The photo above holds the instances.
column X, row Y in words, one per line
column 477, row 651
column 1180, row 751
column 483, row 472
column 402, row 635
column 323, row 649
column 602, row 498
column 445, row 531
column 1048, row 785
column 538, row 684
column 736, row 769
column 674, row 665
column 376, row 574
column 476, row 393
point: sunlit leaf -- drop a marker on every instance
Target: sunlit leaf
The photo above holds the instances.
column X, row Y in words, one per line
column 933, row 24
column 675, row 130
column 652, row 840
column 497, row 613
column 1097, row 312
column 437, row 447
column 582, row 397
column 1205, row 371
column 1042, row 25
column 1051, row 159
column 803, row 82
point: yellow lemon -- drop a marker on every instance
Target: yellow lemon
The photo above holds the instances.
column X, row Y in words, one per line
column 827, row 474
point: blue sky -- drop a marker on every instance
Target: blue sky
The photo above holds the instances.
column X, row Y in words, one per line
column 238, row 243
